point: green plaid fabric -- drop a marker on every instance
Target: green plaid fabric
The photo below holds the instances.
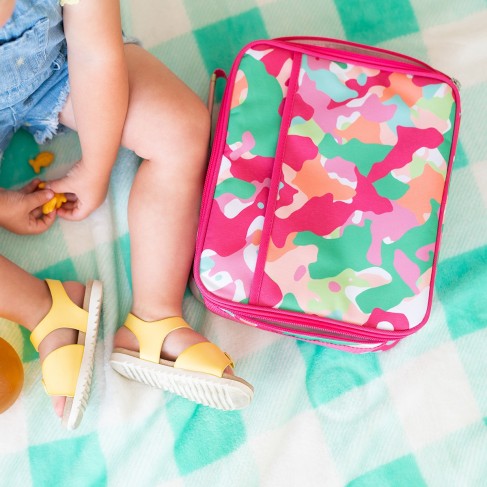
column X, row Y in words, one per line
column 412, row 416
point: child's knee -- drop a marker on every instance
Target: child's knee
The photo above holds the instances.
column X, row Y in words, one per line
column 193, row 132
column 197, row 124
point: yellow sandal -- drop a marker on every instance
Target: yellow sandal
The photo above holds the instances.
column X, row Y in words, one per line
column 67, row 370
column 197, row 374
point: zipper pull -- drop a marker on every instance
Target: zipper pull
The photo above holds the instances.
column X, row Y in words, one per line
column 457, row 83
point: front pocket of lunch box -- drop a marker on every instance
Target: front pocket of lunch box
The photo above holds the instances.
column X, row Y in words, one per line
column 353, row 233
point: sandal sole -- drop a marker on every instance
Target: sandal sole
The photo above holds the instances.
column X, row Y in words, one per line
column 75, row 406
column 227, row 393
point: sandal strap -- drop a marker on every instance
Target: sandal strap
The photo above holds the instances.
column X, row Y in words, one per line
column 151, row 334
column 63, row 314
column 204, row 357
column 60, row 370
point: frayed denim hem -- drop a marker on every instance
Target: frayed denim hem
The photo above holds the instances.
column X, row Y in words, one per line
column 52, row 123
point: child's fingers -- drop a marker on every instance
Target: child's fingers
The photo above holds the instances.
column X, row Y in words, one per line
column 69, row 206
column 40, row 225
column 71, row 197
column 37, row 213
column 67, row 213
column 70, row 211
column 30, row 187
column 38, row 198
column 48, row 219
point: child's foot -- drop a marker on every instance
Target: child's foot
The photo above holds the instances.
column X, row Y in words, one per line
column 172, row 347
column 65, row 339
column 63, row 336
column 172, row 356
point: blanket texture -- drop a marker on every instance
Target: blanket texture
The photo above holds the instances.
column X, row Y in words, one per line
column 412, row 416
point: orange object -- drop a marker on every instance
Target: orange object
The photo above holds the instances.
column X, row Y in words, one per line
column 54, row 203
column 11, row 375
column 43, row 159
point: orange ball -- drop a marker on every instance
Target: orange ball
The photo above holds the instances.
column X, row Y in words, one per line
column 11, row 375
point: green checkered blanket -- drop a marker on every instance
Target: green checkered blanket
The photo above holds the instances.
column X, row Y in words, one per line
column 412, row 416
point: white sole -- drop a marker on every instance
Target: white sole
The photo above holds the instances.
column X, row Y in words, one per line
column 224, row 393
column 75, row 406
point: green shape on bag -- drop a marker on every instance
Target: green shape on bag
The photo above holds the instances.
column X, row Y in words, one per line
column 290, row 303
column 364, row 156
column 391, row 188
column 237, row 187
column 306, row 128
column 337, row 254
column 441, row 106
column 391, row 294
column 446, row 146
column 260, row 109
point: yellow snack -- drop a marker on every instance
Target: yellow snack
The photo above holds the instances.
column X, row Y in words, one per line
column 54, row 203
column 43, row 159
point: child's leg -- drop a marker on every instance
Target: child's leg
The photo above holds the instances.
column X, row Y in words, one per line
column 168, row 126
column 26, row 300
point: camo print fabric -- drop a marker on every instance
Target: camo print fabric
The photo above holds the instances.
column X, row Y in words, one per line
column 344, row 223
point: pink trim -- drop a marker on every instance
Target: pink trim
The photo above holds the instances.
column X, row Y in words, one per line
column 413, row 66
column 275, row 181
column 352, row 46
column 444, row 199
column 293, row 318
column 215, row 161
column 250, row 321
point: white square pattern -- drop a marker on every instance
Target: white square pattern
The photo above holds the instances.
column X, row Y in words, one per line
column 432, row 396
column 154, row 22
column 275, row 449
column 458, row 49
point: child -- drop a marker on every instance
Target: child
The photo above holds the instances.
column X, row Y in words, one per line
column 117, row 93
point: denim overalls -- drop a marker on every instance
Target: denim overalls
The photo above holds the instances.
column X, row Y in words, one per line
column 33, row 70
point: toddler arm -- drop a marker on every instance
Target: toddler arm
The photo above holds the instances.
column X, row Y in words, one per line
column 99, row 90
column 21, row 212
column 6, row 9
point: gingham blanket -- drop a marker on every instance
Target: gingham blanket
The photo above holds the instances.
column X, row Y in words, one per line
column 412, row 416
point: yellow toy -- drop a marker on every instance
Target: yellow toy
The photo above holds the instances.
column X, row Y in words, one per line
column 53, row 203
column 43, row 159
column 11, row 375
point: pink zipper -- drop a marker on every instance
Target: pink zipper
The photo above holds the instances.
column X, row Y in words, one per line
column 320, row 338
column 352, row 47
column 308, row 321
column 275, row 180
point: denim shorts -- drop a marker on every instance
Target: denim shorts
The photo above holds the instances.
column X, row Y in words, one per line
column 39, row 112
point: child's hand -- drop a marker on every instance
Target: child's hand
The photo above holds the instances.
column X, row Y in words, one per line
column 85, row 190
column 21, row 211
